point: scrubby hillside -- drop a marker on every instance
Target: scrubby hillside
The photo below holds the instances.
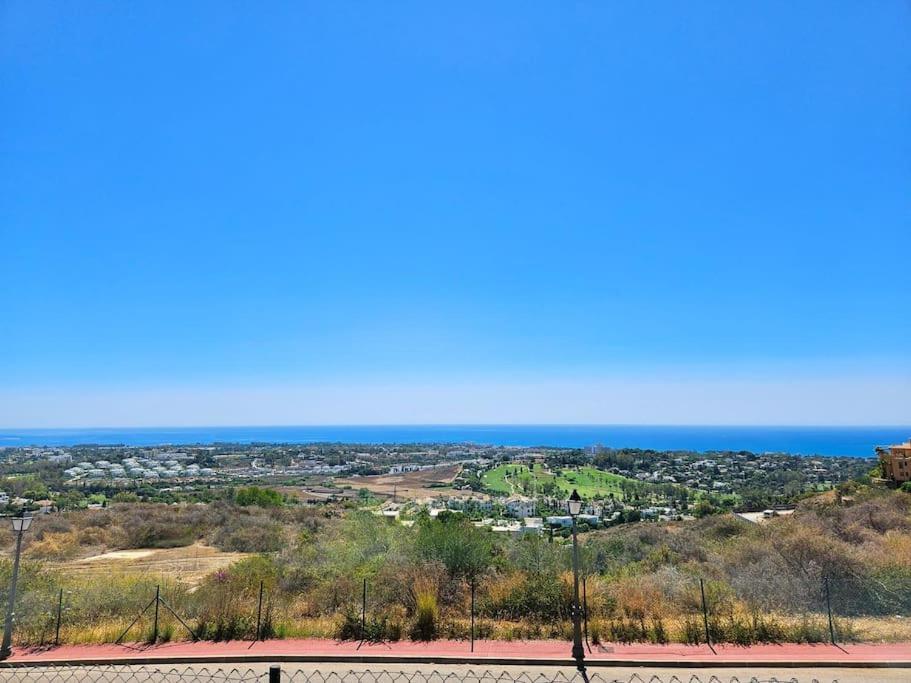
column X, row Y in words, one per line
column 764, row 582
column 859, row 538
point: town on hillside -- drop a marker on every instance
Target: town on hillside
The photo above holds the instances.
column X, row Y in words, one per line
column 506, row 489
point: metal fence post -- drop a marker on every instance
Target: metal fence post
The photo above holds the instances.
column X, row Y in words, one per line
column 155, row 625
column 259, row 613
column 59, row 610
column 364, row 610
column 585, row 614
column 829, row 610
column 705, row 615
column 472, row 615
column 275, row 674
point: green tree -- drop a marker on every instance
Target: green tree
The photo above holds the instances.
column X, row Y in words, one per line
column 453, row 540
column 254, row 495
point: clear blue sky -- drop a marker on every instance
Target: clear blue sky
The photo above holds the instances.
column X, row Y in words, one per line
column 269, row 200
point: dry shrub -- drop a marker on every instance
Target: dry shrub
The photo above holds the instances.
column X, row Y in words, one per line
column 896, row 550
column 92, row 518
column 93, row 536
column 227, row 600
column 50, row 524
column 637, row 597
column 596, row 595
column 498, row 594
column 55, row 546
column 519, row 595
column 426, row 609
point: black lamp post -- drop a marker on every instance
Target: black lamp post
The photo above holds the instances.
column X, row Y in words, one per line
column 20, row 526
column 574, row 505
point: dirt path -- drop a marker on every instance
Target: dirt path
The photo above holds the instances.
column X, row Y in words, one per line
column 189, row 564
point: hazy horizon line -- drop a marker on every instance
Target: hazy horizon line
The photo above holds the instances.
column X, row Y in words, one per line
column 469, row 424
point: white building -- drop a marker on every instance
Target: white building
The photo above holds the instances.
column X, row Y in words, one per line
column 476, row 502
column 505, row 527
column 520, row 506
column 532, row 525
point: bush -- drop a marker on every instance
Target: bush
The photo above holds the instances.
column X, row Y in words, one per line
column 254, row 495
column 226, row 601
column 55, row 546
column 373, row 630
column 426, row 613
column 521, row 596
column 249, row 534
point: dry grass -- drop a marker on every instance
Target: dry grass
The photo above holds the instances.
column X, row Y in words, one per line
column 408, row 485
column 868, row 630
column 187, row 564
column 881, row 629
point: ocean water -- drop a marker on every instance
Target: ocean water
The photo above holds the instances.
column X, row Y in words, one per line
column 828, row 441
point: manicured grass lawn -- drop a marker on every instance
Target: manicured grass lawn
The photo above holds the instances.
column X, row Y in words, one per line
column 497, row 480
column 590, row 482
column 515, row 478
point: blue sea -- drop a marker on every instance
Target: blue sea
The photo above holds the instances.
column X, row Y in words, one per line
column 826, row 441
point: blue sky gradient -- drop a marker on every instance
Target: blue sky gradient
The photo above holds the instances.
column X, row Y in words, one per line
column 444, row 208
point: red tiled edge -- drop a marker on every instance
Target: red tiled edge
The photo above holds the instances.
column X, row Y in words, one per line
column 485, row 652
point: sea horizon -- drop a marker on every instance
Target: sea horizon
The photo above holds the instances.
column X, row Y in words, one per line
column 856, row 441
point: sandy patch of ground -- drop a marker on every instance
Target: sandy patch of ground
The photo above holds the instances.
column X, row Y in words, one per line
column 189, row 564
column 408, row 485
column 118, row 555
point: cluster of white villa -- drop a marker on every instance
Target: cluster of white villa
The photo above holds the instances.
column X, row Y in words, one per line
column 519, row 519
column 137, row 468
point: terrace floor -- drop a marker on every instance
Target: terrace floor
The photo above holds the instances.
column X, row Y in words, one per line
column 485, row 652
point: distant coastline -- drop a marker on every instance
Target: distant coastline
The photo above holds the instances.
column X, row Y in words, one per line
column 822, row 441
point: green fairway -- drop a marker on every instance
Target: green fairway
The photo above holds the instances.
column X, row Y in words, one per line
column 591, row 482
column 514, row 478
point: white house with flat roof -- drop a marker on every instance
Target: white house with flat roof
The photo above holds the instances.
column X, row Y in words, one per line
column 520, row 507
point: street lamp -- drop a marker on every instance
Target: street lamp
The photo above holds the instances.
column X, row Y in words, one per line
column 574, row 505
column 20, row 526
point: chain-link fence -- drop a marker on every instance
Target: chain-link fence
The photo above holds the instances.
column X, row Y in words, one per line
column 694, row 611
column 131, row 674
column 279, row 674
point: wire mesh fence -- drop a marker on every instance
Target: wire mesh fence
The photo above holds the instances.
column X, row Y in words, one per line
column 132, row 674
column 285, row 674
column 667, row 606
column 696, row 612
column 486, row 676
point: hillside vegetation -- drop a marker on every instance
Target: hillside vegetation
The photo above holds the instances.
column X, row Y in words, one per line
column 764, row 582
